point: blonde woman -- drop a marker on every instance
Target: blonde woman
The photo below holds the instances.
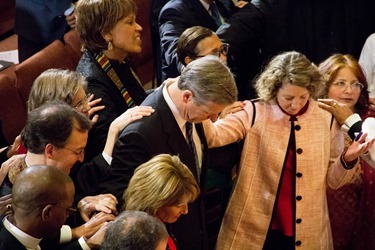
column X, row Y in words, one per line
column 162, row 187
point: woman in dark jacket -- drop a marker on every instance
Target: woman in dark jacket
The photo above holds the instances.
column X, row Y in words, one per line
column 109, row 34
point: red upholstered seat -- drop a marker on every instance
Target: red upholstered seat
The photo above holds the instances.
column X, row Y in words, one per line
column 12, row 113
column 54, row 55
column 143, row 63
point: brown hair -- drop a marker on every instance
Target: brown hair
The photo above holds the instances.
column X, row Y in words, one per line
column 96, row 18
column 188, row 41
column 331, row 66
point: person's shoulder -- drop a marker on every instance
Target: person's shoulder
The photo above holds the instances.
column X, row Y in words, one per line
column 175, row 5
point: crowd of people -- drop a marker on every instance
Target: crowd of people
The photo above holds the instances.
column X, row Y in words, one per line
column 102, row 163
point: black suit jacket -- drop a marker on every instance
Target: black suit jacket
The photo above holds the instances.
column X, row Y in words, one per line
column 8, row 241
column 102, row 86
column 150, row 136
column 175, row 17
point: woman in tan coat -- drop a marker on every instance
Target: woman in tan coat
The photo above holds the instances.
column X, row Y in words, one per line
column 288, row 159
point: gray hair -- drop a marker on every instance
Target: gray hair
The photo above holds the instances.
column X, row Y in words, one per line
column 210, row 80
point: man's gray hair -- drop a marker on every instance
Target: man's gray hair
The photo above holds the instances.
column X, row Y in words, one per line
column 209, row 79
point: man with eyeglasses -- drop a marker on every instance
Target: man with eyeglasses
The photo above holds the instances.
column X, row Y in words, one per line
column 55, row 135
column 40, row 208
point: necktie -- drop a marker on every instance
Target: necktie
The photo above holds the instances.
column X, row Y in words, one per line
column 190, row 141
column 215, row 14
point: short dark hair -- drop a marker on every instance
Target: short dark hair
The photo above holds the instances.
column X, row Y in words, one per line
column 97, row 18
column 134, row 230
column 31, row 192
column 53, row 123
column 188, row 41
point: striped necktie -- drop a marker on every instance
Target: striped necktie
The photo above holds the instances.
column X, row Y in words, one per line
column 215, row 14
column 190, row 141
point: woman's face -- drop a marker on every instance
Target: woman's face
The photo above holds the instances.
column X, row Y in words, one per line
column 80, row 101
column 292, row 98
column 126, row 36
column 170, row 214
column 342, row 92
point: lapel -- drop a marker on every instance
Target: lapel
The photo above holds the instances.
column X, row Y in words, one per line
column 176, row 140
column 201, row 15
column 226, row 7
column 8, row 241
column 205, row 164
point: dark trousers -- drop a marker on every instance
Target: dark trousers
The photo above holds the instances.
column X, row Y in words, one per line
column 27, row 48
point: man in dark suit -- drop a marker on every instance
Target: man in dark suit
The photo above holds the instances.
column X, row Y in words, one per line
column 204, row 89
column 38, row 23
column 40, row 207
column 178, row 15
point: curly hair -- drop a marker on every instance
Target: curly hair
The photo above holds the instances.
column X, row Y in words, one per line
column 289, row 67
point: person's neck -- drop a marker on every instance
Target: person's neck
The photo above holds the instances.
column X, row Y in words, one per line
column 175, row 94
column 25, row 225
column 114, row 54
column 35, row 159
column 208, row 1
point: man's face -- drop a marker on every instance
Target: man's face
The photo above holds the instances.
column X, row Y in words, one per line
column 198, row 113
column 74, row 150
column 61, row 210
column 212, row 45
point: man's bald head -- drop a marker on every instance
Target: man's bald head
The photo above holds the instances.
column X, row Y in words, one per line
column 37, row 186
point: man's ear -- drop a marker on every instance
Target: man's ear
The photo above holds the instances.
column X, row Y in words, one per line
column 48, row 151
column 188, row 60
column 186, row 96
column 47, row 213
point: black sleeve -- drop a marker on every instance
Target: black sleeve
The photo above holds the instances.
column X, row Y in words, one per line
column 126, row 158
column 356, row 128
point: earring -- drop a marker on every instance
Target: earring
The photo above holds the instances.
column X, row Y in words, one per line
column 110, row 46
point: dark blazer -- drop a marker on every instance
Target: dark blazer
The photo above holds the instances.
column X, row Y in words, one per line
column 102, row 86
column 150, row 136
column 175, row 17
column 8, row 241
column 244, row 56
column 41, row 21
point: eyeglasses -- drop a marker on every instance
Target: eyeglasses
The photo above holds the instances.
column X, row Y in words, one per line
column 223, row 51
column 357, row 86
column 79, row 153
column 82, row 103
column 69, row 210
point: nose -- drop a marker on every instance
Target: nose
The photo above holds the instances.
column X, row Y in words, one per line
column 139, row 27
column 85, row 108
column 81, row 156
column 184, row 209
column 348, row 89
column 223, row 57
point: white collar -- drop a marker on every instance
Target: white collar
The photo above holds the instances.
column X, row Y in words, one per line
column 179, row 119
column 28, row 241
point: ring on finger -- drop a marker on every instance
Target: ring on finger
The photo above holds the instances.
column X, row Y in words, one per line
column 334, row 104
